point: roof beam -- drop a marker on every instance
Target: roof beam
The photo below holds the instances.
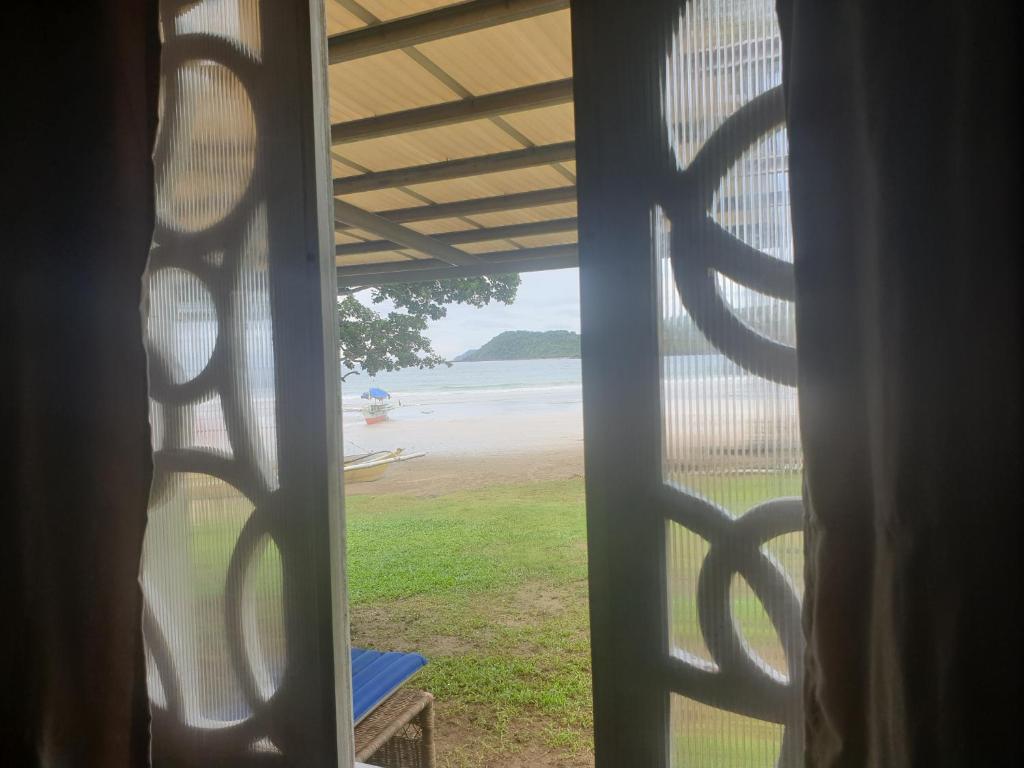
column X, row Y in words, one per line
column 450, row 112
column 434, row 25
column 403, row 236
column 455, row 169
column 551, row 226
column 514, row 202
column 497, row 263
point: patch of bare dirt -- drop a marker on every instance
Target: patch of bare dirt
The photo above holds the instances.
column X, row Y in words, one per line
column 400, row 625
column 438, row 475
column 468, row 744
column 531, row 603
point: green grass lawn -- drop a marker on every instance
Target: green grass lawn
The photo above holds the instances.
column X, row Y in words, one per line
column 491, row 586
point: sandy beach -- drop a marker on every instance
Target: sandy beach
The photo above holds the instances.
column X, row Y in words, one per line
column 470, row 447
column 507, row 422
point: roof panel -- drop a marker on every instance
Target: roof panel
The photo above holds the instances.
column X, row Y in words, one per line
column 521, row 53
column 485, row 185
column 382, row 199
column 488, row 246
column 549, row 125
column 361, row 234
column 346, row 236
column 538, row 241
column 433, row 145
column 338, row 18
column 440, row 225
column 525, row 215
column 387, row 82
column 387, row 10
column 381, row 257
column 340, row 169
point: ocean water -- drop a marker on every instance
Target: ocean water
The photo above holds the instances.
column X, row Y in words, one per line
column 715, row 413
column 711, row 405
column 536, row 383
column 471, row 389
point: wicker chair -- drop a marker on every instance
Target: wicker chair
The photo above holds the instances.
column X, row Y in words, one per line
column 399, row 732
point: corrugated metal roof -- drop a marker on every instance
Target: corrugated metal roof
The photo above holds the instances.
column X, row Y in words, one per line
column 462, row 51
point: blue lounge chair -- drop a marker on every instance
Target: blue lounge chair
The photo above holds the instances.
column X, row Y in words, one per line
column 376, row 675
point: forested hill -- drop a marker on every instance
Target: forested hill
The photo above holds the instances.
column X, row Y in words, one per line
column 525, row 345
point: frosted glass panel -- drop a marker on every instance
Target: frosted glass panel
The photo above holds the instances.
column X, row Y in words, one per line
column 731, row 451
column 237, row 663
column 194, row 524
column 705, row 736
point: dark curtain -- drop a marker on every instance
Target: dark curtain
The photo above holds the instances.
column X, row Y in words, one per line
column 905, row 177
column 80, row 114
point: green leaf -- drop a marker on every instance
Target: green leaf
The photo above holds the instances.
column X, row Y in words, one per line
column 389, row 342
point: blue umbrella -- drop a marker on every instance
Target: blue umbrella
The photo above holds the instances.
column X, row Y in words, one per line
column 376, row 394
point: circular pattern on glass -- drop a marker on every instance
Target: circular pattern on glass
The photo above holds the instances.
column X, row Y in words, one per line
column 210, row 150
column 181, row 326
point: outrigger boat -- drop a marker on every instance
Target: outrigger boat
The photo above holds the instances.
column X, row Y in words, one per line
column 367, row 467
column 376, row 410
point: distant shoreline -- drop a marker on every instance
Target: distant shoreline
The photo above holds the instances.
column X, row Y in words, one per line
column 525, row 345
column 516, row 359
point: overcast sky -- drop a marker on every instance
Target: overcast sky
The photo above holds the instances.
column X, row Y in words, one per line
column 547, row 301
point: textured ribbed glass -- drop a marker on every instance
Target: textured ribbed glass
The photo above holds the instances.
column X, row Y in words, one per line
column 212, row 573
column 730, row 442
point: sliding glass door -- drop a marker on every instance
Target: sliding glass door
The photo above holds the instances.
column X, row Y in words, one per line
column 245, row 628
column 693, row 449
